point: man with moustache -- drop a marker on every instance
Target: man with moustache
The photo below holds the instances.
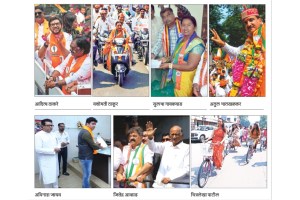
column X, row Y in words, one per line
column 249, row 68
column 57, row 44
column 64, row 140
column 175, row 162
column 47, row 147
column 167, row 35
column 137, row 160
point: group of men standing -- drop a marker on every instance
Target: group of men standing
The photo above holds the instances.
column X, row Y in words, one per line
column 51, row 147
column 138, row 159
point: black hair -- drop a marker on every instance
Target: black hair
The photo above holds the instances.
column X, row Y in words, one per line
column 60, row 124
column 193, row 20
column 137, row 129
column 90, row 119
column 68, row 19
column 118, row 22
column 152, row 7
column 55, row 18
column 43, row 122
column 165, row 10
column 83, row 42
column 39, row 7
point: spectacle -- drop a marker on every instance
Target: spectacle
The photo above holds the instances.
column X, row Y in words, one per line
column 55, row 24
column 38, row 13
column 166, row 139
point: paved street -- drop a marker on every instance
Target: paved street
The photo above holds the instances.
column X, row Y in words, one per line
column 136, row 82
column 235, row 173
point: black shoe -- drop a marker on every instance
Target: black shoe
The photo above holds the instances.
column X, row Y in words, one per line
column 66, row 174
column 133, row 62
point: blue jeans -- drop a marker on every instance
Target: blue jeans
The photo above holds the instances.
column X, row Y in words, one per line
column 86, row 172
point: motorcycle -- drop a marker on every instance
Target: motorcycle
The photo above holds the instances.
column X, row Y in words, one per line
column 102, row 38
column 120, row 60
column 142, row 44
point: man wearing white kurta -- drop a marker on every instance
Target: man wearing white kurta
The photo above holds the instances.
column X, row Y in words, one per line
column 175, row 162
column 47, row 147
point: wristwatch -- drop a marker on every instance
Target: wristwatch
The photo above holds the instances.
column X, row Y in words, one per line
column 45, row 45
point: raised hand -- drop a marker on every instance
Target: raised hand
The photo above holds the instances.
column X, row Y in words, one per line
column 150, row 130
column 216, row 38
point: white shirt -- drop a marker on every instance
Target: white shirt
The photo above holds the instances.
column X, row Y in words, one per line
column 118, row 158
column 103, row 25
column 175, row 163
column 46, row 156
column 148, row 156
column 80, row 17
column 198, row 79
column 40, row 34
column 156, row 24
column 232, row 51
column 62, row 137
column 82, row 75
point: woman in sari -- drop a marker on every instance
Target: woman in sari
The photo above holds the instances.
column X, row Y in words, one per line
column 186, row 57
column 218, row 137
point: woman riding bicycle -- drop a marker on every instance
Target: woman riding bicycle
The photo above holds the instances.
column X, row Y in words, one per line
column 255, row 134
column 218, row 137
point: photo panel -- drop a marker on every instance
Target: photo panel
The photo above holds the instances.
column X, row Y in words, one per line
column 229, row 151
column 179, row 64
column 121, row 50
column 62, row 44
column 68, row 147
column 237, row 54
column 151, row 151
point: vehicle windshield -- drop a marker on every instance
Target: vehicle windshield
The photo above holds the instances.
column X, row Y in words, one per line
column 202, row 128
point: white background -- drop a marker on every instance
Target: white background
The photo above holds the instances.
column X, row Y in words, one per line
column 17, row 105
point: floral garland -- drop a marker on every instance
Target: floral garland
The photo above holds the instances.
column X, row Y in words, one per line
column 248, row 69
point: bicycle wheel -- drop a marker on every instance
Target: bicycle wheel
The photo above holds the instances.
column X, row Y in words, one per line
column 204, row 173
column 249, row 154
column 226, row 151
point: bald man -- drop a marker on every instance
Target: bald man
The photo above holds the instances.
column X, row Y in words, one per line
column 175, row 162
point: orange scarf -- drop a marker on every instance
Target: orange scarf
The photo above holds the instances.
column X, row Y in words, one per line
column 92, row 135
column 36, row 31
column 74, row 69
column 203, row 72
column 55, row 51
column 166, row 37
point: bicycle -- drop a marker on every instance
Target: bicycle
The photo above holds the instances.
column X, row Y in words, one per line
column 206, row 165
column 228, row 146
column 250, row 149
column 263, row 143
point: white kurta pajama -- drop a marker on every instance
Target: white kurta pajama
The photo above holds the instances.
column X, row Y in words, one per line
column 47, row 157
column 175, row 163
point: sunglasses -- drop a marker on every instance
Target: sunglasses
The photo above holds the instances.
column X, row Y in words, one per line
column 166, row 139
column 38, row 13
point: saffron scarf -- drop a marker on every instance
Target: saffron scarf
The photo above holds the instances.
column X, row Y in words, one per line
column 55, row 51
column 166, row 37
column 92, row 135
column 75, row 68
column 36, row 31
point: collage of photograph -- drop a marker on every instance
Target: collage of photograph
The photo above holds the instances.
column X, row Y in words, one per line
column 147, row 54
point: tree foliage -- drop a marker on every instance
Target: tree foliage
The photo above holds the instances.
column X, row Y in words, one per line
column 226, row 20
column 263, row 121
